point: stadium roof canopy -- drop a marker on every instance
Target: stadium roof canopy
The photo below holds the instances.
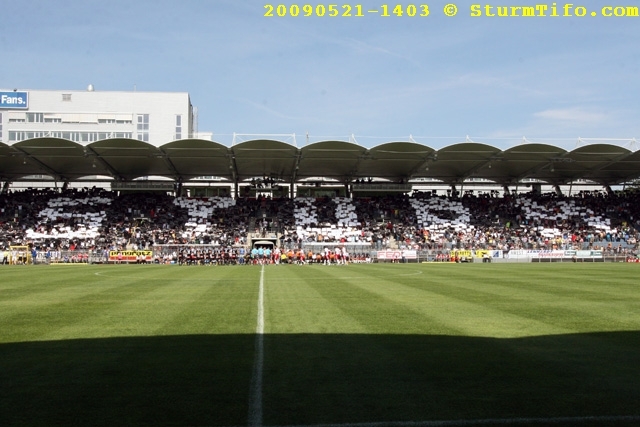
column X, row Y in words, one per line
column 127, row 159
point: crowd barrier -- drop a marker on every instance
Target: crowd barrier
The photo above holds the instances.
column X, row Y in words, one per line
column 164, row 254
column 498, row 256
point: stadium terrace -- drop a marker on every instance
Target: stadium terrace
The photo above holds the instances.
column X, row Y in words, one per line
column 97, row 225
column 78, row 178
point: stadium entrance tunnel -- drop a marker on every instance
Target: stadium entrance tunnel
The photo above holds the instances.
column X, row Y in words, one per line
column 264, row 243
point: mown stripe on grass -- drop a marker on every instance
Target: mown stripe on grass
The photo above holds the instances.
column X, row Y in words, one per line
column 365, row 303
column 129, row 300
column 45, row 317
column 559, row 307
column 426, row 297
column 295, row 304
column 554, row 306
column 588, row 281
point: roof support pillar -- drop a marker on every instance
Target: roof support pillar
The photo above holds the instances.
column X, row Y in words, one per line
column 233, row 167
column 103, row 162
column 558, row 190
column 5, row 187
column 169, row 164
column 296, row 166
column 178, row 187
column 536, row 189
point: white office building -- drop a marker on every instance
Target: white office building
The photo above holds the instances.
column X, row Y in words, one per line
column 86, row 116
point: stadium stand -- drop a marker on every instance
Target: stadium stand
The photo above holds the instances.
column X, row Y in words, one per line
column 96, row 220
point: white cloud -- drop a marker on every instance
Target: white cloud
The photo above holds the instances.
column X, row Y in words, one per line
column 575, row 114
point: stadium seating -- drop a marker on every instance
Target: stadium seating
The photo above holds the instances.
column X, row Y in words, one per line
column 100, row 219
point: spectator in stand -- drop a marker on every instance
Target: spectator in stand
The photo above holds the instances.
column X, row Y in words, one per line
column 91, row 219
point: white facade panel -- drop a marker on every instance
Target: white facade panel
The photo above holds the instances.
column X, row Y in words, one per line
column 88, row 116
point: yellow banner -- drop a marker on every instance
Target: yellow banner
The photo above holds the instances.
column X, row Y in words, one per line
column 129, row 255
column 460, row 253
column 480, row 253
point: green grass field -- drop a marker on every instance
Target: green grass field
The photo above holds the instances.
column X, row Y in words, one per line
column 365, row 345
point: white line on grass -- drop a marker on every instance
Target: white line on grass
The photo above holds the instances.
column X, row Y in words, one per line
column 255, row 397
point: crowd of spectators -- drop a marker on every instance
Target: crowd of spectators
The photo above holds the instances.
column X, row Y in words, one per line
column 97, row 219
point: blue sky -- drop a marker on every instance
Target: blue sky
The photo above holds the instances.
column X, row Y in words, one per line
column 439, row 79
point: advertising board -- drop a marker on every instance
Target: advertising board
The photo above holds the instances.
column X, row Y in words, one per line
column 14, row 100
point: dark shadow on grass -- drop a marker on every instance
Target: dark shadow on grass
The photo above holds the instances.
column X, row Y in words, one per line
column 312, row 379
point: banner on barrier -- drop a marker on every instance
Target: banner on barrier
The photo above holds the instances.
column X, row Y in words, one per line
column 487, row 253
column 536, row 253
column 522, row 253
column 549, row 254
column 460, row 253
column 129, row 256
column 477, row 253
column 397, row 255
column 583, row 254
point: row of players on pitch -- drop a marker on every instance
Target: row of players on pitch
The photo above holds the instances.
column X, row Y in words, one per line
column 261, row 256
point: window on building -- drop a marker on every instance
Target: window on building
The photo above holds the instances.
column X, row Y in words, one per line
column 179, row 126
column 66, row 97
column 143, row 127
column 16, row 136
column 35, row 118
column 143, row 122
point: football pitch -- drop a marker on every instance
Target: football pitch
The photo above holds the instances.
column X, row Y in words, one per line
column 403, row 345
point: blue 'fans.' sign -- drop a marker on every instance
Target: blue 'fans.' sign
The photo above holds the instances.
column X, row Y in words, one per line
column 17, row 100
